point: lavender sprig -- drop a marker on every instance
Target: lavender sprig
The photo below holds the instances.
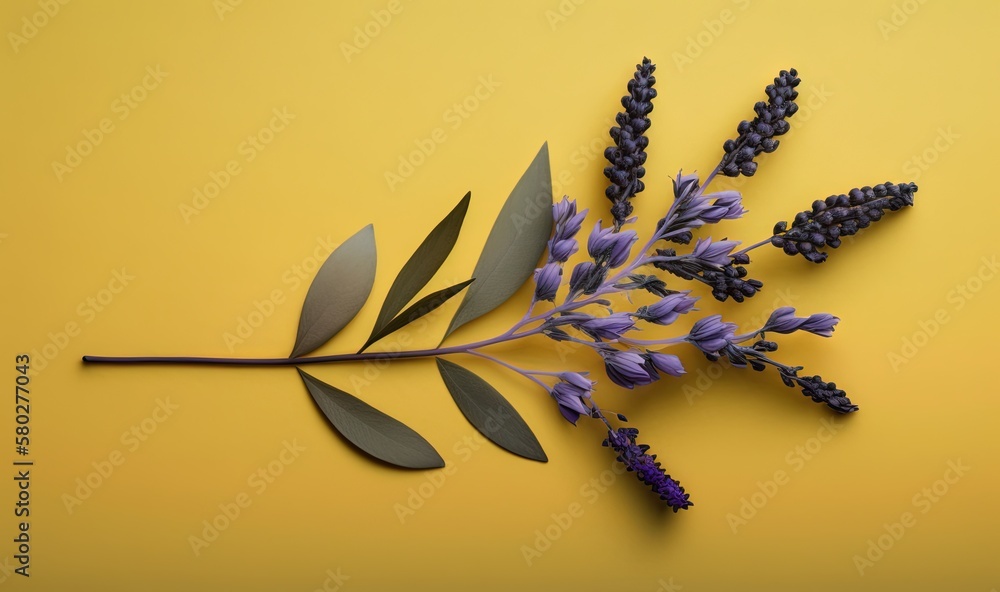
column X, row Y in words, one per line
column 838, row 216
column 758, row 135
column 629, row 152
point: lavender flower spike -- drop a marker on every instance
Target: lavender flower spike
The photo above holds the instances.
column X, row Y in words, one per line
column 783, row 320
column 609, row 247
column 710, row 334
column 758, row 135
column 667, row 309
column 635, row 458
column 547, row 281
column 628, row 154
column 838, row 216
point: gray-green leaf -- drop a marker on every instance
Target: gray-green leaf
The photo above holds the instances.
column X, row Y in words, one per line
column 514, row 245
column 489, row 411
column 420, row 268
column 338, row 292
column 371, row 430
column 421, row 307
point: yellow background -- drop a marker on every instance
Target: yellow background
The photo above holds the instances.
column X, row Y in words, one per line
column 884, row 83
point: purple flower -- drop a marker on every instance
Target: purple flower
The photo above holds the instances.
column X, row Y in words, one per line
column 610, row 327
column 562, row 245
column 710, row 334
column 547, row 281
column 667, row 309
column 783, row 320
column 667, row 363
column 716, row 253
column 647, row 469
column 626, row 368
column 727, row 206
column 571, row 394
column 610, row 247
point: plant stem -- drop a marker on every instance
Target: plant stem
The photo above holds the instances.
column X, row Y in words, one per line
column 400, row 355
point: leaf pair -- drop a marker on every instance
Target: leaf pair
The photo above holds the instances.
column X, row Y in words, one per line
column 345, row 281
column 390, row 440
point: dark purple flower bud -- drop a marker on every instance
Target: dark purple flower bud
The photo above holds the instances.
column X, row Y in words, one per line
column 667, row 363
column 610, row 327
column 710, row 334
column 727, row 205
column 608, row 247
column 783, row 320
column 838, row 216
column 715, row 253
column 626, row 368
column 628, row 154
column 758, row 135
column 667, row 309
column 547, row 281
column 636, row 459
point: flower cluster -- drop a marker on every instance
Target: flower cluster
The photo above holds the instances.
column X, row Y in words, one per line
column 838, row 216
column 629, row 152
column 612, row 268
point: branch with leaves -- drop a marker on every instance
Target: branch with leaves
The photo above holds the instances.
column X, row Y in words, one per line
column 530, row 225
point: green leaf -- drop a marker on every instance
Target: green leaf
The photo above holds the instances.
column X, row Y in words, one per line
column 423, row 306
column 489, row 412
column 371, row 430
column 420, row 268
column 514, row 245
column 338, row 292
